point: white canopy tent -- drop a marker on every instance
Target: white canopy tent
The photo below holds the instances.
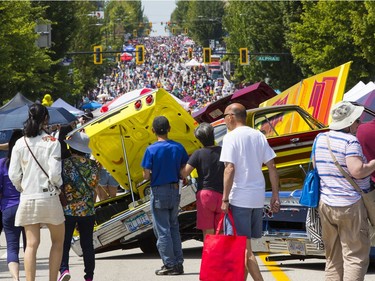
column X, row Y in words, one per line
column 192, row 63
column 61, row 103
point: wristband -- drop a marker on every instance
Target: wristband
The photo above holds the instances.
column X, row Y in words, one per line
column 225, row 201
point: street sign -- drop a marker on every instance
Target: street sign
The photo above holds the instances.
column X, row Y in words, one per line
column 268, row 58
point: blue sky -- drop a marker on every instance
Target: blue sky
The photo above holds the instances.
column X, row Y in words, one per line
column 158, row 11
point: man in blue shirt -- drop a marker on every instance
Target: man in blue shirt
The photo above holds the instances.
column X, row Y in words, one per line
column 161, row 164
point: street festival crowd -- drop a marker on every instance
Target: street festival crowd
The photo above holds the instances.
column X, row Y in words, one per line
column 227, row 183
column 164, row 66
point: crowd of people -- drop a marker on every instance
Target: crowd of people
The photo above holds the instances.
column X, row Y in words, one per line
column 164, row 66
column 230, row 179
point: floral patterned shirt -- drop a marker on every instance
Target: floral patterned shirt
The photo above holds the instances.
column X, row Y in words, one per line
column 80, row 190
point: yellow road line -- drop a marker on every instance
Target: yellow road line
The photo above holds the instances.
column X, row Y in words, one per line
column 273, row 268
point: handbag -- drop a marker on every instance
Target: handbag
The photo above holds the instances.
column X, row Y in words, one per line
column 368, row 198
column 223, row 256
column 311, row 185
column 61, row 190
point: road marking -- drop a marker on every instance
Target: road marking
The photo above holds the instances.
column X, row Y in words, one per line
column 273, row 268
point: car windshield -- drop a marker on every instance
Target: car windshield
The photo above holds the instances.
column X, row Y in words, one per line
column 282, row 123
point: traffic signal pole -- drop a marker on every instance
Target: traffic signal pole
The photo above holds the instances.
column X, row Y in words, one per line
column 98, row 54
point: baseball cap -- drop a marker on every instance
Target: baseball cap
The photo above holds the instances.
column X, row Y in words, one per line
column 160, row 125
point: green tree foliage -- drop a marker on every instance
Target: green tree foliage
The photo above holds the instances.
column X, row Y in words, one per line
column 324, row 39
column 123, row 17
column 204, row 21
column 23, row 66
column 86, row 35
column 260, row 27
column 63, row 24
column 363, row 30
column 179, row 15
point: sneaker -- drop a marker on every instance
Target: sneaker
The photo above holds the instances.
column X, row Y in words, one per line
column 65, row 276
column 177, row 270
column 164, row 270
column 88, row 279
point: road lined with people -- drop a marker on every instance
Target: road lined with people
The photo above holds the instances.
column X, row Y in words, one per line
column 166, row 65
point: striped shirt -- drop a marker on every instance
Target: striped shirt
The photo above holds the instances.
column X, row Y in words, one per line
column 335, row 189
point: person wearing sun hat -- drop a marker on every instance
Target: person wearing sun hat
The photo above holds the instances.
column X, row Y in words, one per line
column 345, row 230
column 80, row 177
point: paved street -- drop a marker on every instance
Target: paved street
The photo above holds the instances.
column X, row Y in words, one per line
column 133, row 265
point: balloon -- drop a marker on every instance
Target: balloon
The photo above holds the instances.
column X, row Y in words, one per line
column 47, row 100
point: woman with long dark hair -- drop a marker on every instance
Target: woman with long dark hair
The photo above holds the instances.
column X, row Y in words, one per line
column 35, row 170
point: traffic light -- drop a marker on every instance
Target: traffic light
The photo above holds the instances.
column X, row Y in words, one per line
column 207, row 55
column 190, row 53
column 139, row 54
column 186, row 30
column 134, row 33
column 244, row 57
column 98, row 56
column 173, row 30
column 118, row 57
column 150, row 25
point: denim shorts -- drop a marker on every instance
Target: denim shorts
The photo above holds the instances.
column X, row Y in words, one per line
column 106, row 178
column 248, row 221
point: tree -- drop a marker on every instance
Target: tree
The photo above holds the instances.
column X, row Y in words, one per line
column 205, row 21
column 324, row 39
column 23, row 66
column 363, row 30
column 260, row 27
column 64, row 22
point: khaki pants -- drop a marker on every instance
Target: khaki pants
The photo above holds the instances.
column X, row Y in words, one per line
column 346, row 240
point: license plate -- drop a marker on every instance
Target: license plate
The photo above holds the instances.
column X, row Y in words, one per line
column 136, row 222
column 296, row 248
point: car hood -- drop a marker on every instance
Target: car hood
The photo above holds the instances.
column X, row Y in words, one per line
column 119, row 138
column 250, row 97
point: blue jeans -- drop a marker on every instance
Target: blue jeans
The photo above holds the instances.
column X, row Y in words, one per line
column 165, row 200
column 12, row 234
column 86, row 229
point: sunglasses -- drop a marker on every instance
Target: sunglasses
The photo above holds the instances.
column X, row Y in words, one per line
column 226, row 114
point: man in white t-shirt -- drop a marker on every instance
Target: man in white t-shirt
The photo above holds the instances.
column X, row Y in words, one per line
column 244, row 152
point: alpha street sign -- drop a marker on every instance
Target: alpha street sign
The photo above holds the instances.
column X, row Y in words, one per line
column 268, row 58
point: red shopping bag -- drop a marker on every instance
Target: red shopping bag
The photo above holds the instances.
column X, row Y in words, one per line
column 223, row 257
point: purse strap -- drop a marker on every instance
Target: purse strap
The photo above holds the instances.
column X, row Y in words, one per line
column 312, row 155
column 345, row 174
column 36, row 160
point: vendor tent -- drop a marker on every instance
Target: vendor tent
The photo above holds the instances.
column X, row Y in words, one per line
column 17, row 101
column 192, row 63
column 61, row 103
